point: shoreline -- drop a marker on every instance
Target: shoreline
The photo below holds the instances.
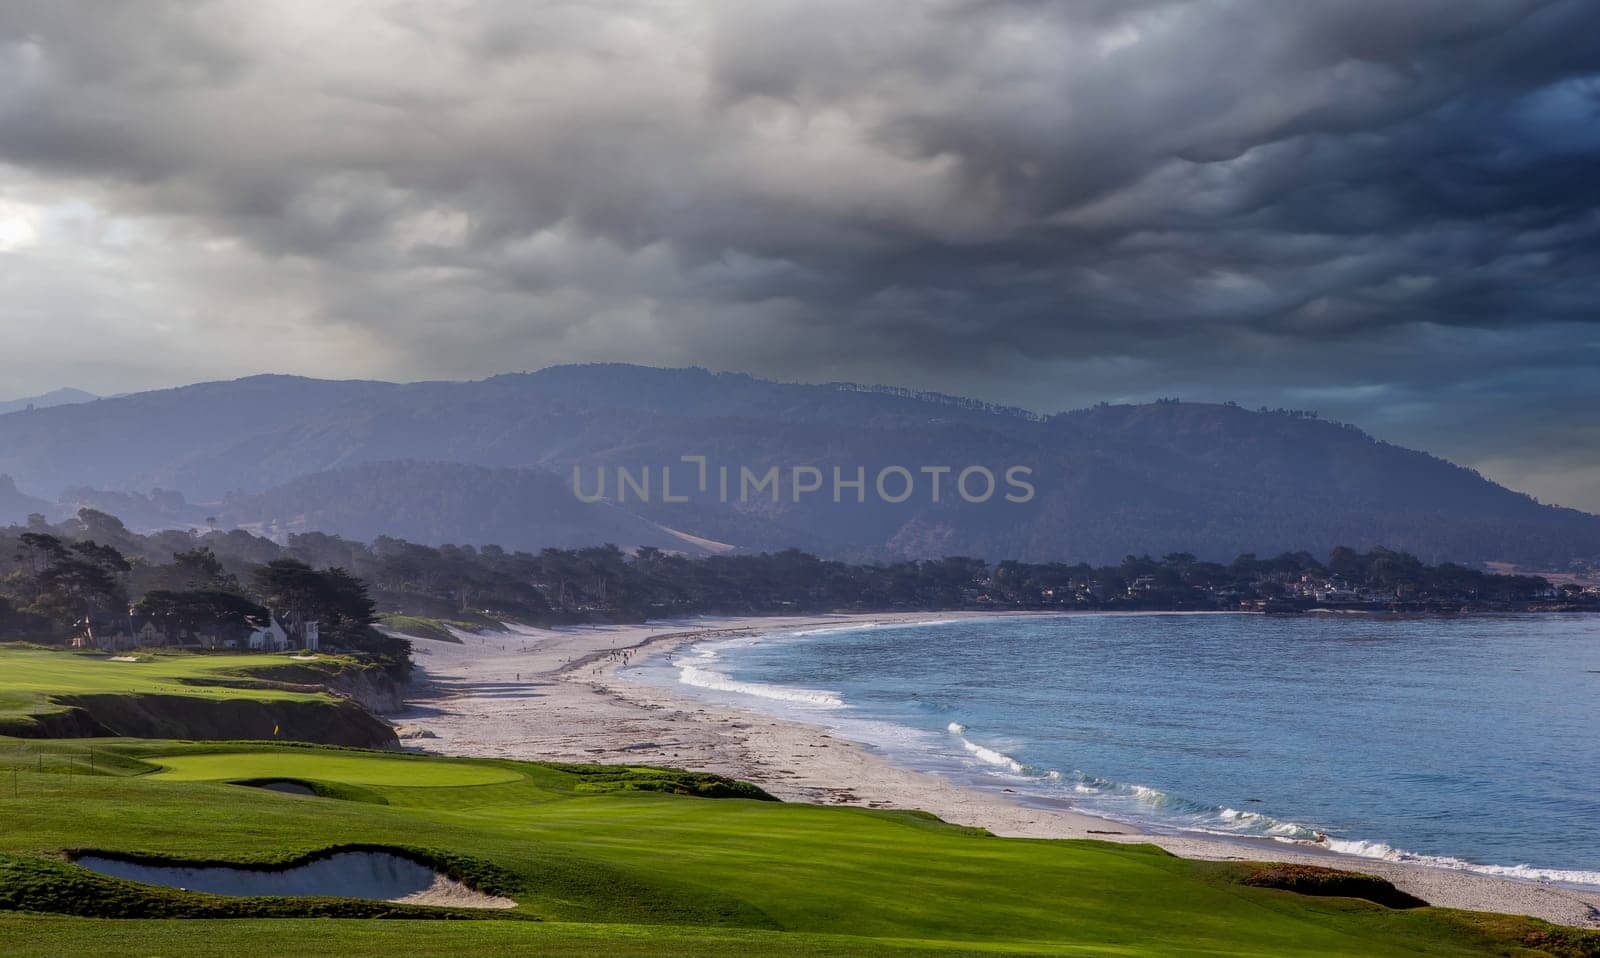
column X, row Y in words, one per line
column 556, row 695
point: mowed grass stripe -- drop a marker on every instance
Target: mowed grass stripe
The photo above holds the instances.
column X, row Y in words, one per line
column 346, row 769
column 31, row 676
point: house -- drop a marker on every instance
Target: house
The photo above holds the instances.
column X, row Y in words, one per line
column 1332, row 595
column 118, row 633
column 273, row 637
column 212, row 640
column 147, row 634
column 269, row 638
column 96, row 631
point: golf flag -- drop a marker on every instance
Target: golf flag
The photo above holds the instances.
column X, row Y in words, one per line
column 274, row 731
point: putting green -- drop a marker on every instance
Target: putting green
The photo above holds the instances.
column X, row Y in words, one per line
column 351, row 769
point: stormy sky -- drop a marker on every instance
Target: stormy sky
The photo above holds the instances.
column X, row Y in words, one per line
column 1387, row 211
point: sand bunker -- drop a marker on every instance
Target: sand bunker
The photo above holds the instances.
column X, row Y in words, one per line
column 286, row 787
column 374, row 876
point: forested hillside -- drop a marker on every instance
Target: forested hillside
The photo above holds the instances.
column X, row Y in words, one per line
column 53, row 578
column 492, row 462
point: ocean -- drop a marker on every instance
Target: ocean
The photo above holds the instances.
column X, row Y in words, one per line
column 1469, row 742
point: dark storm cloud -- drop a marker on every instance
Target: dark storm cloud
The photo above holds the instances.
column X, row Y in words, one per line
column 1390, row 206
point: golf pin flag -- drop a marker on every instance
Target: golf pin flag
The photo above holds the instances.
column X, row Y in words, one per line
column 274, row 731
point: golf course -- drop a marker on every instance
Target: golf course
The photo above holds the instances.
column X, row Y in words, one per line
column 47, row 693
column 552, row 859
column 624, row 860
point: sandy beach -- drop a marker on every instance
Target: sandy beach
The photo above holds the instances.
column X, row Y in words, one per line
column 554, row 694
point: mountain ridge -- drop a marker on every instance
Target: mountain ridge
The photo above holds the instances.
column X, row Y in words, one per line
column 65, row 396
column 1213, row 479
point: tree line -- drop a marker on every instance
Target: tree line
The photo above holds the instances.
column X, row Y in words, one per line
column 52, row 577
column 56, row 581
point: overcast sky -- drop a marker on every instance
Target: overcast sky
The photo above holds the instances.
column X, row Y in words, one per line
column 1386, row 210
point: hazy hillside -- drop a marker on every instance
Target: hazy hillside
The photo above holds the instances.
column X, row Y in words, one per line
column 435, row 503
column 56, row 397
column 1215, row 480
column 15, row 506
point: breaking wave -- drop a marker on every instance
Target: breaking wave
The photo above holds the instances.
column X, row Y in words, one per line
column 708, row 679
column 696, row 671
column 1142, row 805
column 992, row 757
column 859, row 627
column 1388, row 853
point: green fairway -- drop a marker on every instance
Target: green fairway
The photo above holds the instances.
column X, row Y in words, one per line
column 58, row 694
column 334, row 767
column 612, row 863
column 47, row 938
column 33, row 676
column 418, row 626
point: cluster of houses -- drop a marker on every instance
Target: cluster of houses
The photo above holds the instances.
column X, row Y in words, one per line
column 1295, row 592
column 121, row 633
column 1335, row 591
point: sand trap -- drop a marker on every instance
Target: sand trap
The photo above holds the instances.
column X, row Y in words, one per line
column 374, row 876
column 124, row 658
column 287, row 788
column 303, row 658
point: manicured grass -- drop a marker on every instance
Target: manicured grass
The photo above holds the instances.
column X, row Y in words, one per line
column 422, row 627
column 52, row 938
column 627, row 871
column 32, row 677
column 47, row 693
column 350, row 769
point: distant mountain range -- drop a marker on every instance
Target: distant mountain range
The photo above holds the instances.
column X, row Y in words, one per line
column 492, row 462
column 57, row 397
column 16, row 505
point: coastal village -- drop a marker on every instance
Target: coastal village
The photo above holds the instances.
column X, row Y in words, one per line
column 117, row 633
column 1379, row 580
column 91, row 583
column 1322, row 592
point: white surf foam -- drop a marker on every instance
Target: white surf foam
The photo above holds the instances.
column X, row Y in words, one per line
column 1222, row 821
column 867, row 627
column 708, row 679
column 1383, row 852
column 1125, row 800
column 984, row 753
column 695, row 669
column 992, row 757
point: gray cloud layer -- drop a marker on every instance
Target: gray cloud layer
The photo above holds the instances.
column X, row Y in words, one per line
column 1385, row 210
